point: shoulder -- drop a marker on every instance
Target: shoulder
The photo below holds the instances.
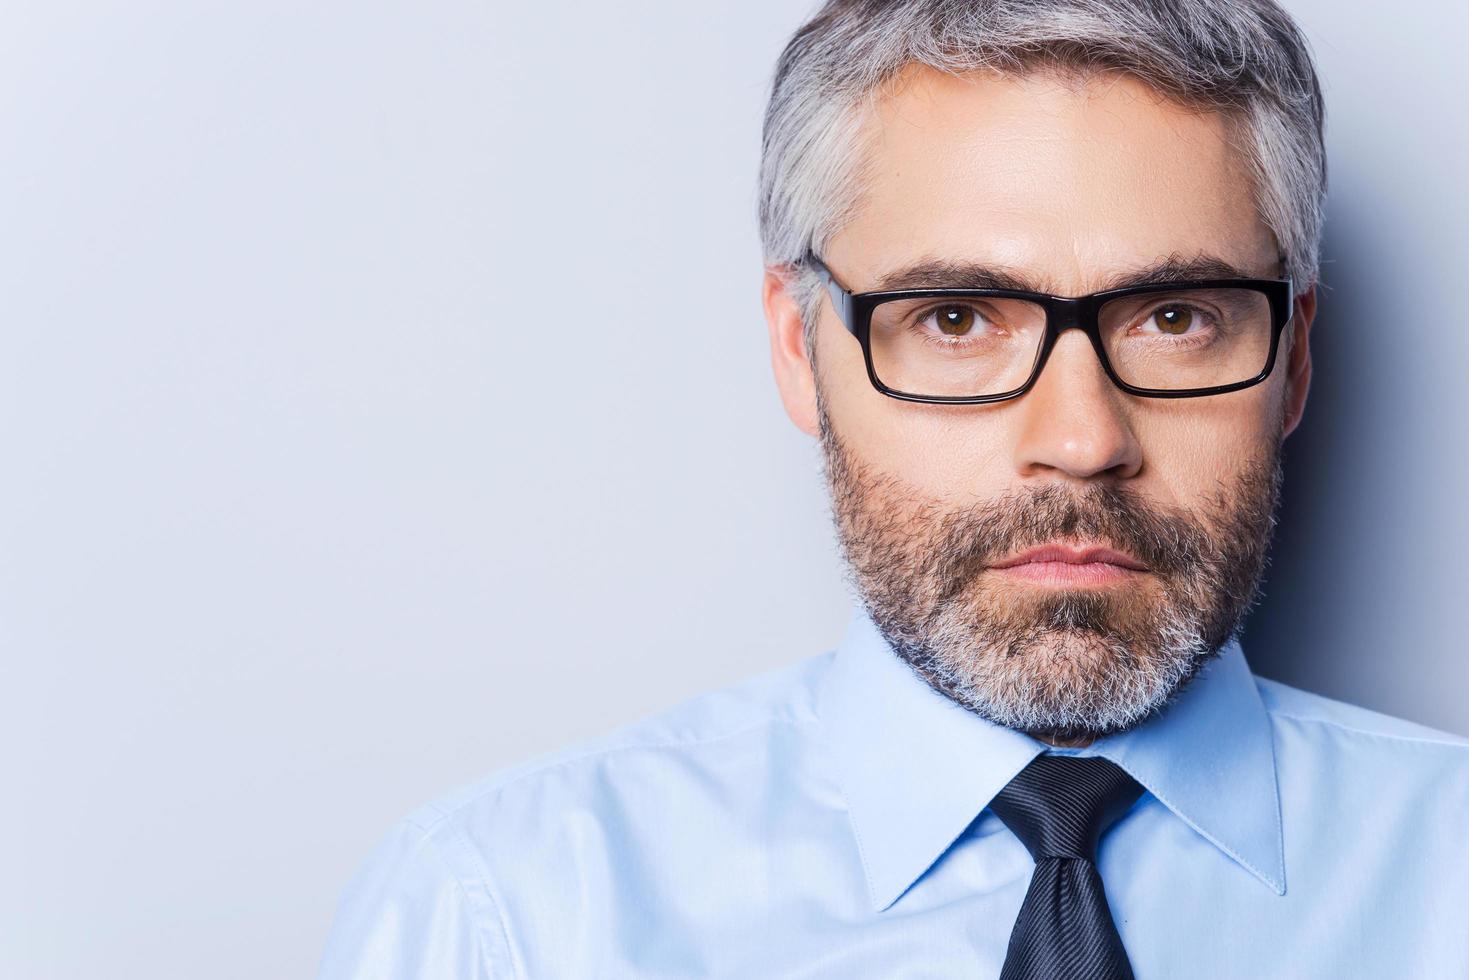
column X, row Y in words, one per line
column 1287, row 704
column 1368, row 800
column 722, row 735
column 450, row 880
column 1343, row 753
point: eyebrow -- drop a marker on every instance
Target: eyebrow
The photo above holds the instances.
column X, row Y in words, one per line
column 943, row 274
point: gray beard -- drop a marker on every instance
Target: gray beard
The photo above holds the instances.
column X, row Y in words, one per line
column 1058, row 663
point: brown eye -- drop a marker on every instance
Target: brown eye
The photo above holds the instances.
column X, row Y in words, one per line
column 954, row 320
column 1173, row 319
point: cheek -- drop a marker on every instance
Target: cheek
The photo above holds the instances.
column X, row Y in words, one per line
column 1193, row 447
column 949, row 454
column 954, row 453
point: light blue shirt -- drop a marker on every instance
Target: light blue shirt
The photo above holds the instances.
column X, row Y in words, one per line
column 828, row 819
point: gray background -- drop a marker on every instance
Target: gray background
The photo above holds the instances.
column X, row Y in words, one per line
column 303, row 525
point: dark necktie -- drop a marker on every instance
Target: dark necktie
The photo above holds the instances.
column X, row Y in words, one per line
column 1059, row 806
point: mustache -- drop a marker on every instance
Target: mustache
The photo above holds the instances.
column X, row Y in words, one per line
column 970, row 539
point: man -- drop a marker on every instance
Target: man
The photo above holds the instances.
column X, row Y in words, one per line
column 1040, row 278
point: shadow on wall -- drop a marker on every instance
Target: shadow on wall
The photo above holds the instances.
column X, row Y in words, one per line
column 1337, row 615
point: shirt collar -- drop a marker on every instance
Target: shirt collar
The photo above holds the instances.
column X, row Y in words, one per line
column 916, row 768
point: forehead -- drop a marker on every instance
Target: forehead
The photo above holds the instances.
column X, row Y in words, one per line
column 1062, row 179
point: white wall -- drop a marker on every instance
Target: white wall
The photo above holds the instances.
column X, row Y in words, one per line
column 384, row 399
column 1366, row 597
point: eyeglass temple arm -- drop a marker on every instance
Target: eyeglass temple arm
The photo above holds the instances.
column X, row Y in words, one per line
column 841, row 298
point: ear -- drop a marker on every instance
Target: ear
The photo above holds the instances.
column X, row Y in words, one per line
column 794, row 375
column 1298, row 367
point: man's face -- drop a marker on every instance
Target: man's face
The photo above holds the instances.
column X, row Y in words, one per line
column 1066, row 185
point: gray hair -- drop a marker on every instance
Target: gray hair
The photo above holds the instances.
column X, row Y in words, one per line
column 1243, row 58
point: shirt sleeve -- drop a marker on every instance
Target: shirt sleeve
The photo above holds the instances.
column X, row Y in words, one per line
column 406, row 916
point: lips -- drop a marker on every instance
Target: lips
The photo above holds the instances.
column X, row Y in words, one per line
column 1072, row 556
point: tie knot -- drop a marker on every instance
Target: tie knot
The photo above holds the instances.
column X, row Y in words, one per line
column 1060, row 805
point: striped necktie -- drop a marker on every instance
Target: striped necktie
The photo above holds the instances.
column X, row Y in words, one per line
column 1059, row 806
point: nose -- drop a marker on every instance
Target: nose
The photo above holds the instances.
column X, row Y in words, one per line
column 1074, row 420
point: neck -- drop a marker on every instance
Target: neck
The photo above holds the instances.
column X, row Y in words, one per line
column 1061, row 742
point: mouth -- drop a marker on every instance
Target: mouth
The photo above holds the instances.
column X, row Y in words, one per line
column 1056, row 564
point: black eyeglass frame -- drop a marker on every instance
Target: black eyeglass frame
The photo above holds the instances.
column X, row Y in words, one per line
column 1062, row 313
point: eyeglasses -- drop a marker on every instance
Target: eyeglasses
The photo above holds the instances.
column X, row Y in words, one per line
column 1178, row 339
